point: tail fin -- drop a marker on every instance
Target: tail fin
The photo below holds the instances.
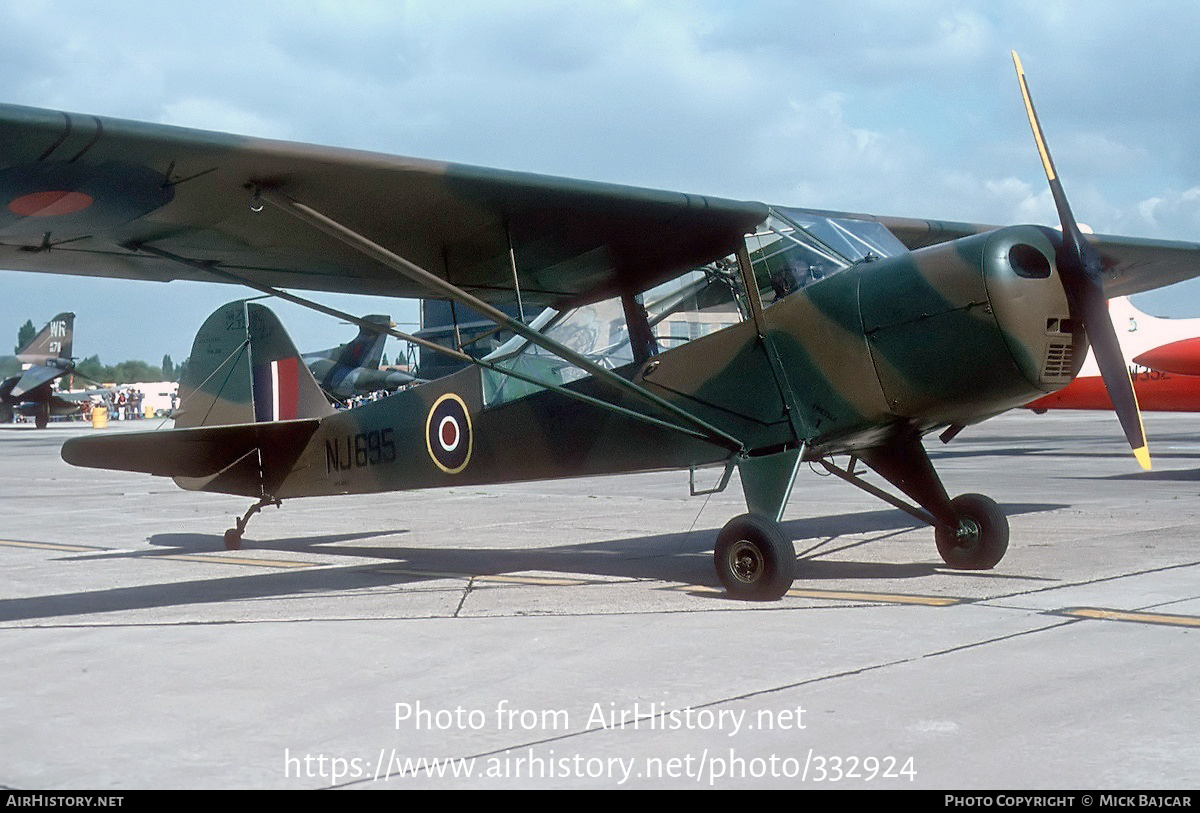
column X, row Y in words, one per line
column 244, row 369
column 52, row 342
column 366, row 349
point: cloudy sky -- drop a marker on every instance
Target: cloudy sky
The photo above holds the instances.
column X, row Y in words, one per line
column 893, row 108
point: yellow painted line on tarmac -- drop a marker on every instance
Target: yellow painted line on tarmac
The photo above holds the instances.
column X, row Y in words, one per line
column 50, row 546
column 229, row 560
column 552, row 581
column 842, row 595
column 884, row 598
column 1100, row 614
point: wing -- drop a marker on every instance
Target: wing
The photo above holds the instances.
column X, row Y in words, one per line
column 82, row 195
column 1131, row 264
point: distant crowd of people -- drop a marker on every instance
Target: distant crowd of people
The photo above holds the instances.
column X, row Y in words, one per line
column 358, row 400
column 122, row 405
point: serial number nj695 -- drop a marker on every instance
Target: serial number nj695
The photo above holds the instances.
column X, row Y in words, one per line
column 361, row 449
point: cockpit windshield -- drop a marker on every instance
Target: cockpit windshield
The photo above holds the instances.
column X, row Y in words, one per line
column 795, row 247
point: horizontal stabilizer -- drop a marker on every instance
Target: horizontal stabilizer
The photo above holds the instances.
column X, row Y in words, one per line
column 200, row 452
column 35, row 377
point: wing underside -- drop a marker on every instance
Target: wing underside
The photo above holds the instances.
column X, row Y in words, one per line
column 102, row 197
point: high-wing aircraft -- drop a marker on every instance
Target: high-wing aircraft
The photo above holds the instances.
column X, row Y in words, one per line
column 353, row 368
column 793, row 336
column 44, row 360
column 1163, row 357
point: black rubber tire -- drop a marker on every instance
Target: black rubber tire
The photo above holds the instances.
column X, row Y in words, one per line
column 233, row 539
column 754, row 560
column 42, row 417
column 981, row 539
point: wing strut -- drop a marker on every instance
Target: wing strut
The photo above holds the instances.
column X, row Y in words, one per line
column 782, row 383
column 422, row 277
column 717, row 439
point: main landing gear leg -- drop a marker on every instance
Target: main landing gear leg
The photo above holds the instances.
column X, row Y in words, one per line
column 971, row 530
column 233, row 536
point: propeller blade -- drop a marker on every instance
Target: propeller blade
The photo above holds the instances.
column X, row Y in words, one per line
column 1079, row 269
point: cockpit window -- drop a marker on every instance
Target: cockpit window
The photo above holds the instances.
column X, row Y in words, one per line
column 795, row 247
column 791, row 249
column 677, row 311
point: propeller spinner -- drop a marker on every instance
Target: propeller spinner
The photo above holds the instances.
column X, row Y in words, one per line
column 1079, row 269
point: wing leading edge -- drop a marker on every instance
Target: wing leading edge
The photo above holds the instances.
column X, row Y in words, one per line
column 82, row 194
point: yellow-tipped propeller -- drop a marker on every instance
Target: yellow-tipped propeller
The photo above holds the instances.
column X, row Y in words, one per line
column 1079, row 269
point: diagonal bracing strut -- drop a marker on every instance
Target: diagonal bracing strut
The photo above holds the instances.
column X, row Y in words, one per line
column 213, row 269
column 435, row 283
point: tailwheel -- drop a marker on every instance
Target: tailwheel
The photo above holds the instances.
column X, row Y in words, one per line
column 981, row 538
column 754, row 560
column 233, row 536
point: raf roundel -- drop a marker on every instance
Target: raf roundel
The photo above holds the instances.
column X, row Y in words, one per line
column 448, row 434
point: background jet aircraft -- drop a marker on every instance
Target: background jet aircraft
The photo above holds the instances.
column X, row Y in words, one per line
column 1163, row 356
column 353, row 368
column 44, row 360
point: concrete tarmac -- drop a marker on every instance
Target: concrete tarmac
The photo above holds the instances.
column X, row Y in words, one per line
column 572, row 634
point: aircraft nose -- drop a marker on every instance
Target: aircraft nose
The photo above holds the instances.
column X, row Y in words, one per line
column 1028, row 300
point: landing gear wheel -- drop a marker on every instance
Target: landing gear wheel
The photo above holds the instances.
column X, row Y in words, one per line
column 981, row 538
column 42, row 417
column 233, row 537
column 754, row 560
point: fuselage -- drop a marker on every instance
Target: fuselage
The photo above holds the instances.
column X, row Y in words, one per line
column 947, row 335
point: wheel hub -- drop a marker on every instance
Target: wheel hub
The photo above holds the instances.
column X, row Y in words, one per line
column 745, row 562
column 968, row 531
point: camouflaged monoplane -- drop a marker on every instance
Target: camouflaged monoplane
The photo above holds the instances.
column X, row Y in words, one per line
column 682, row 331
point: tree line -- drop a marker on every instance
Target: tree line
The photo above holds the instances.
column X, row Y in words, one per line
column 126, row 372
